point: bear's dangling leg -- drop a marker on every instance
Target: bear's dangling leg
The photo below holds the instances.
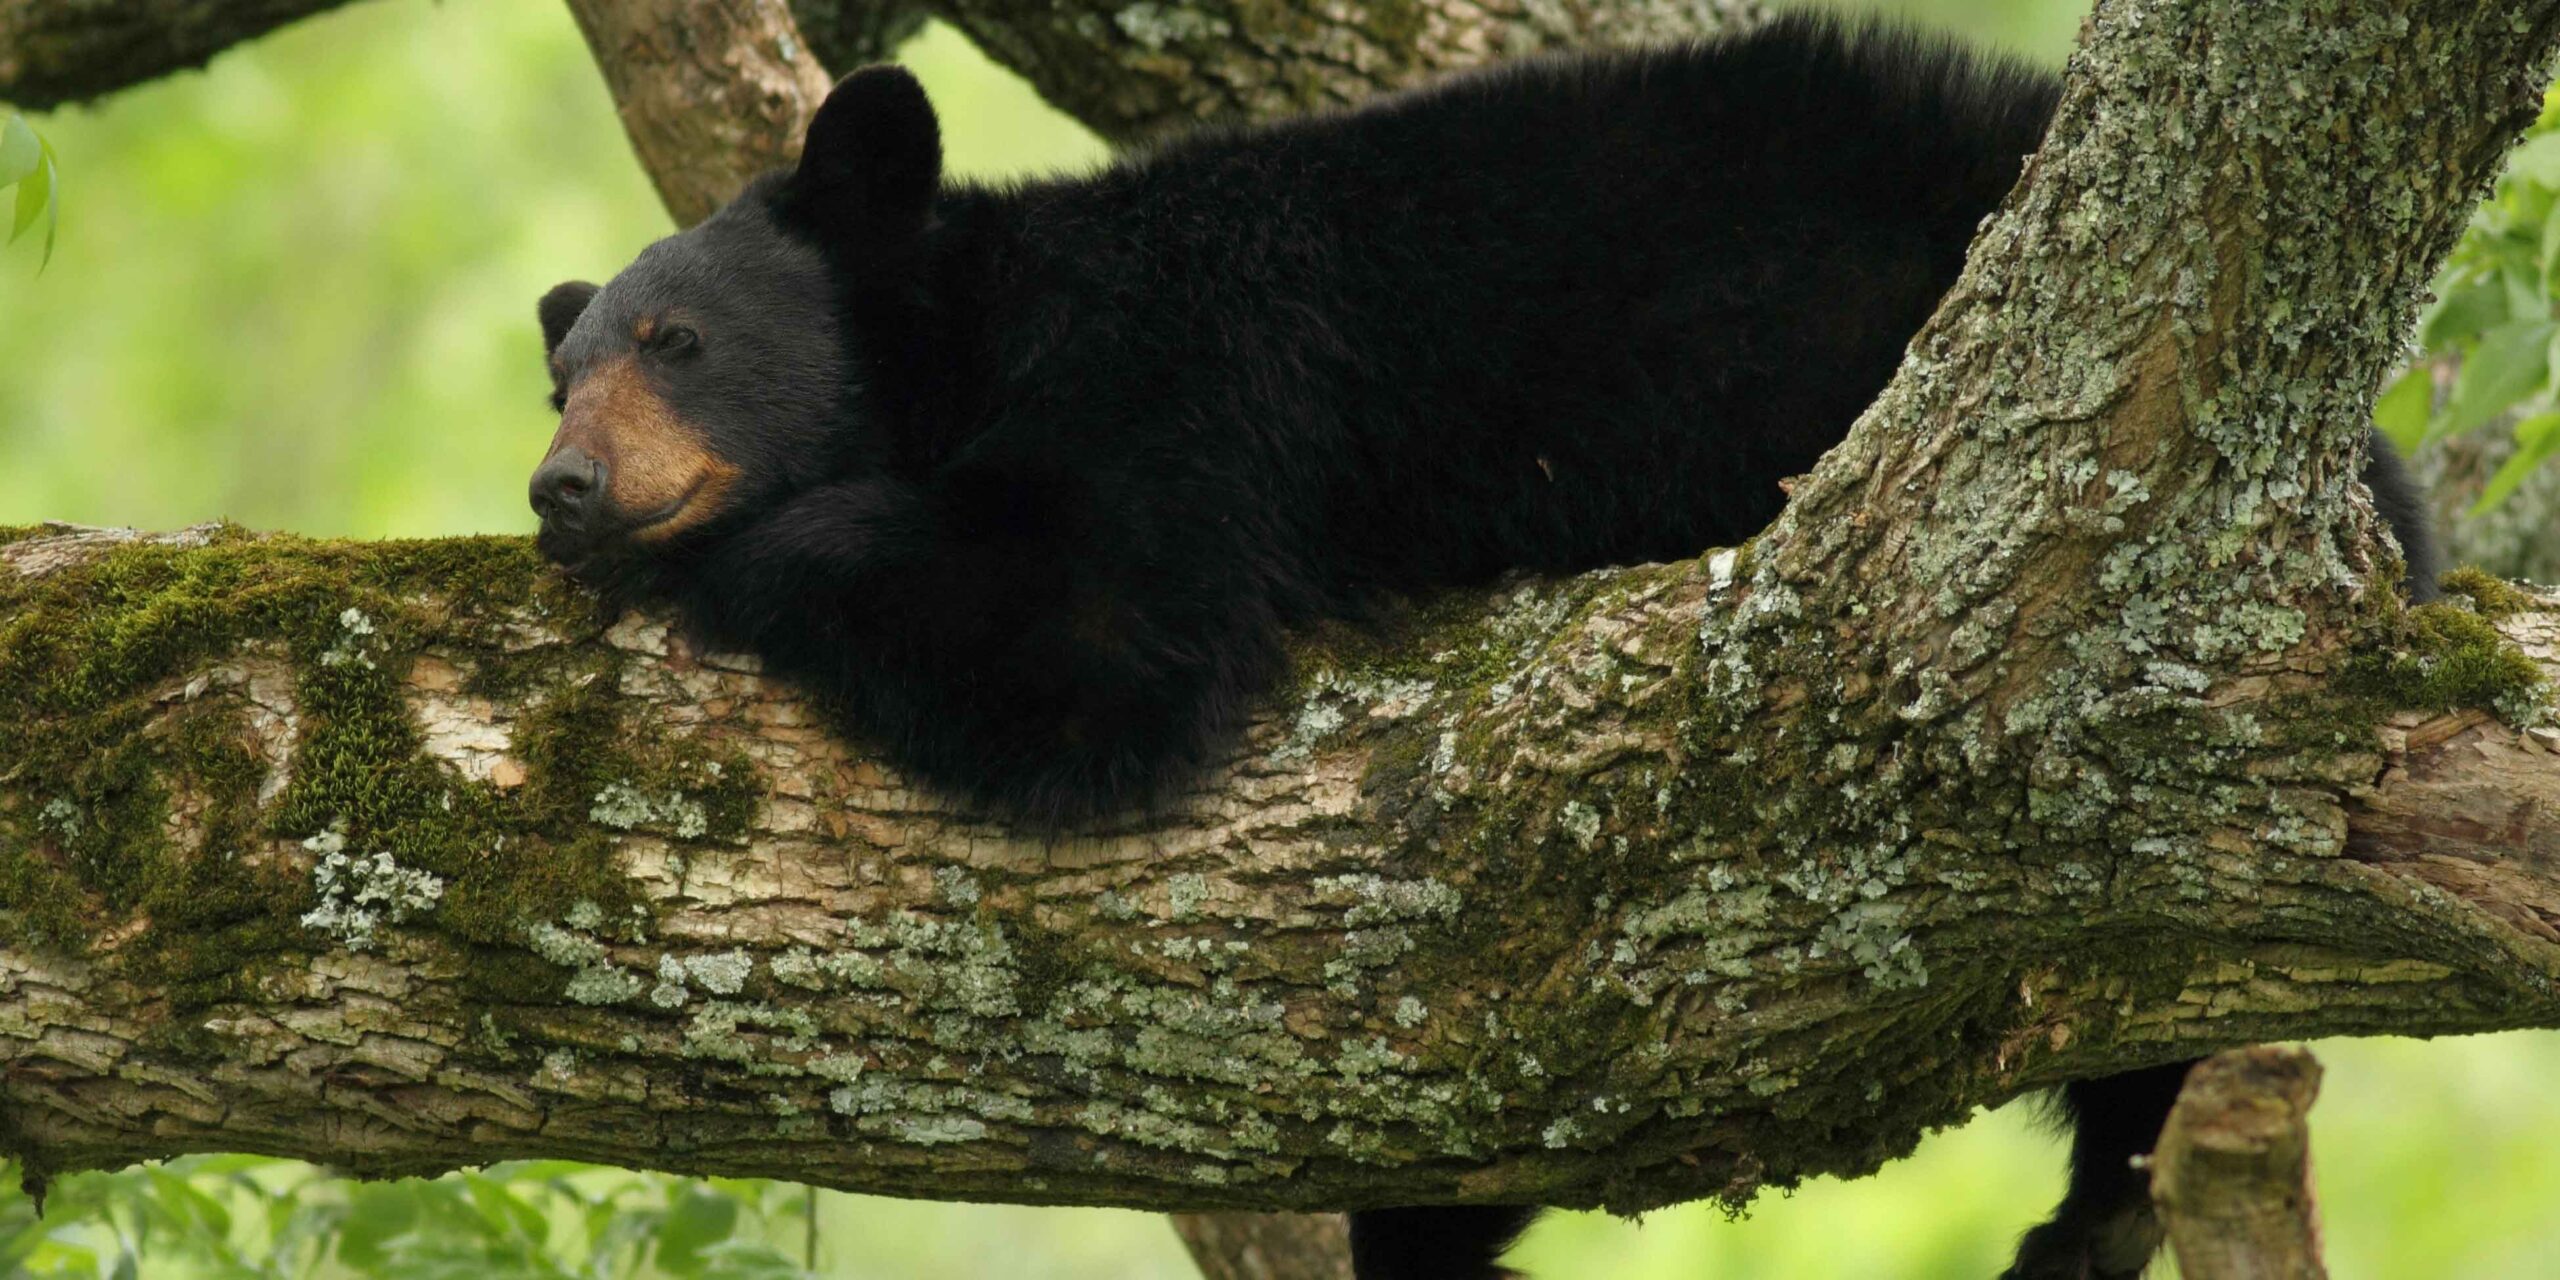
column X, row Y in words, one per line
column 1448, row 1242
column 2104, row 1228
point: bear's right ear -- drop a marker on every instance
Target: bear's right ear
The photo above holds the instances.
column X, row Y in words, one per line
column 560, row 309
column 873, row 155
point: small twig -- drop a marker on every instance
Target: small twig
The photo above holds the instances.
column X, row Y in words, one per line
column 2232, row 1174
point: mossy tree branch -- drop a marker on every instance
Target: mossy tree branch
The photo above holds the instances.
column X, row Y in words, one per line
column 2064, row 724
column 392, row 855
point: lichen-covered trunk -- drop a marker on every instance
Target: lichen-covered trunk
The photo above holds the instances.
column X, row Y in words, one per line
column 2065, row 723
column 397, row 856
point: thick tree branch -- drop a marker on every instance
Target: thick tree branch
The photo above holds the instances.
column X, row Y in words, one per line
column 1449, row 928
column 2232, row 1175
column 2048, row 734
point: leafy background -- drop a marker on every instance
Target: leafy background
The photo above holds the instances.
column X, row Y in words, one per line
column 297, row 291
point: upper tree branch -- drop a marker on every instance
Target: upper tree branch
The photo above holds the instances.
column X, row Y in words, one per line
column 58, row 51
column 1125, row 70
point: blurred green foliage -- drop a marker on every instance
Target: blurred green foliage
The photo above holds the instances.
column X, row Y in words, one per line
column 297, row 290
column 244, row 1216
column 2492, row 324
column 27, row 163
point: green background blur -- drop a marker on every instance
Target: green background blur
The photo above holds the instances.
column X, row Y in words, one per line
column 297, row 291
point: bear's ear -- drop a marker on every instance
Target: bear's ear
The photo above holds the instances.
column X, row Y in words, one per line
column 873, row 155
column 560, row 309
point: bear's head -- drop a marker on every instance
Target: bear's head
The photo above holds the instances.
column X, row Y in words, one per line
column 717, row 374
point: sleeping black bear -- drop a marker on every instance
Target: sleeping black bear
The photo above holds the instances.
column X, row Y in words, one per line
column 1025, row 483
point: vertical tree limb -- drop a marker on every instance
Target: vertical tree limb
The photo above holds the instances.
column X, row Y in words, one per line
column 712, row 92
column 2232, row 1175
column 1267, row 1246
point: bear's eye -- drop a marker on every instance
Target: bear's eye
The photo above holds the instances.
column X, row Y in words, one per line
column 674, row 339
column 559, row 399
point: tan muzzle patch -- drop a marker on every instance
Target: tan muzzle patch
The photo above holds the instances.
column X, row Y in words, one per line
column 661, row 477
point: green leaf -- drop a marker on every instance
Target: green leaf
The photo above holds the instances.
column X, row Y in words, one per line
column 2537, row 438
column 188, row 1208
column 502, row 1209
column 2462, row 311
column 2550, row 245
column 2509, row 363
column 2402, row 408
column 698, row 1219
column 52, row 209
column 378, row 1214
column 2523, row 280
column 35, row 191
column 20, row 152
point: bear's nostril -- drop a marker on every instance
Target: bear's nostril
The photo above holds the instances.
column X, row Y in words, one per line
column 565, row 483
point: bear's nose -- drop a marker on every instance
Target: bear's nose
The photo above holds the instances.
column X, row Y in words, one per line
column 566, row 484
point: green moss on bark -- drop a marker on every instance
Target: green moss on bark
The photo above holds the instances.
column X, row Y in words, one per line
column 116, row 717
column 2445, row 657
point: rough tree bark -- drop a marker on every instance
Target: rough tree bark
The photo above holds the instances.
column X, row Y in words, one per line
column 2232, row 1174
column 1267, row 1246
column 711, row 93
column 58, row 51
column 1137, row 70
column 1126, row 71
column 714, row 94
column 2063, row 724
column 394, row 855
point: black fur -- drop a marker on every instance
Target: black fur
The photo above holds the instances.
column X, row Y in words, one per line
column 1456, row 1243
column 1102, row 439
column 1034, row 477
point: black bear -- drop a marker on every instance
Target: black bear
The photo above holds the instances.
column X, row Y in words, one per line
column 1025, row 483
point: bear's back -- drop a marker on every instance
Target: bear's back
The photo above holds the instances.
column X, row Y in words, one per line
column 1569, row 312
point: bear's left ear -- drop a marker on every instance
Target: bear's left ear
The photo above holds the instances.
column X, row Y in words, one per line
column 873, row 155
column 560, row 309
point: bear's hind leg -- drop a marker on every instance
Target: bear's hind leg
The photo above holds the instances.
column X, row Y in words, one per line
column 1447, row 1242
column 2104, row 1228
